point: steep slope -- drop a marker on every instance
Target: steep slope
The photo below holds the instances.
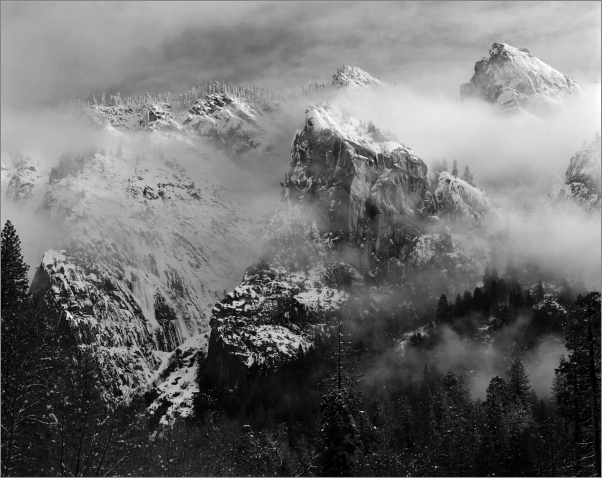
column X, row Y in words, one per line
column 514, row 80
column 581, row 188
column 148, row 244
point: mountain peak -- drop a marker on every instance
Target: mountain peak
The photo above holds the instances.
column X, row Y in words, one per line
column 355, row 77
column 514, row 80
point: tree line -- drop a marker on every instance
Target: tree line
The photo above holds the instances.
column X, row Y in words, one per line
column 262, row 97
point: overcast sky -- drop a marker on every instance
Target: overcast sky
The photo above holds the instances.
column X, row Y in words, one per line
column 52, row 52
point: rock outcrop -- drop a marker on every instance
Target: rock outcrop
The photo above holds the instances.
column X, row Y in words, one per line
column 232, row 123
column 367, row 193
column 156, row 117
column 464, row 202
column 354, row 77
column 356, row 217
column 514, row 80
column 581, row 187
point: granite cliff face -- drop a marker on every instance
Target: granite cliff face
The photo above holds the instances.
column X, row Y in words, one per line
column 367, row 193
column 92, row 308
column 148, row 242
column 514, row 80
column 356, row 220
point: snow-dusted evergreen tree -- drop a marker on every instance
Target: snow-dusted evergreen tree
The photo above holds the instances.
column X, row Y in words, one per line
column 455, row 168
column 24, row 368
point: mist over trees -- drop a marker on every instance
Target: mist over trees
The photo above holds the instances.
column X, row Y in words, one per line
column 316, row 416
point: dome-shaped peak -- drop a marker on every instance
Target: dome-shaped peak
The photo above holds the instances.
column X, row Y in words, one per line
column 354, row 76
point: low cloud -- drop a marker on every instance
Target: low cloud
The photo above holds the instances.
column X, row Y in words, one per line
column 57, row 52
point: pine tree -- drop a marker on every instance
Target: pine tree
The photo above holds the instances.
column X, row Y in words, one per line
column 459, row 306
column 467, row 176
column 578, row 380
column 14, row 271
column 518, row 382
column 340, row 419
column 495, row 434
column 24, row 370
column 442, row 315
column 455, row 168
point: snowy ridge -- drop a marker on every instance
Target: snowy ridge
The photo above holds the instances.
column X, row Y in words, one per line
column 238, row 129
column 354, row 77
column 232, row 123
column 514, row 80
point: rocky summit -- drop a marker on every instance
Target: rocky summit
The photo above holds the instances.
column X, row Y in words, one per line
column 354, row 77
column 514, row 80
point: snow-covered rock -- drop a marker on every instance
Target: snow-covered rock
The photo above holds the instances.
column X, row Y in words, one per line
column 93, row 308
column 149, row 244
column 232, row 123
column 113, row 118
column 267, row 321
column 581, row 188
column 175, row 385
column 464, row 201
column 22, row 176
column 354, row 77
column 156, row 117
column 514, row 80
